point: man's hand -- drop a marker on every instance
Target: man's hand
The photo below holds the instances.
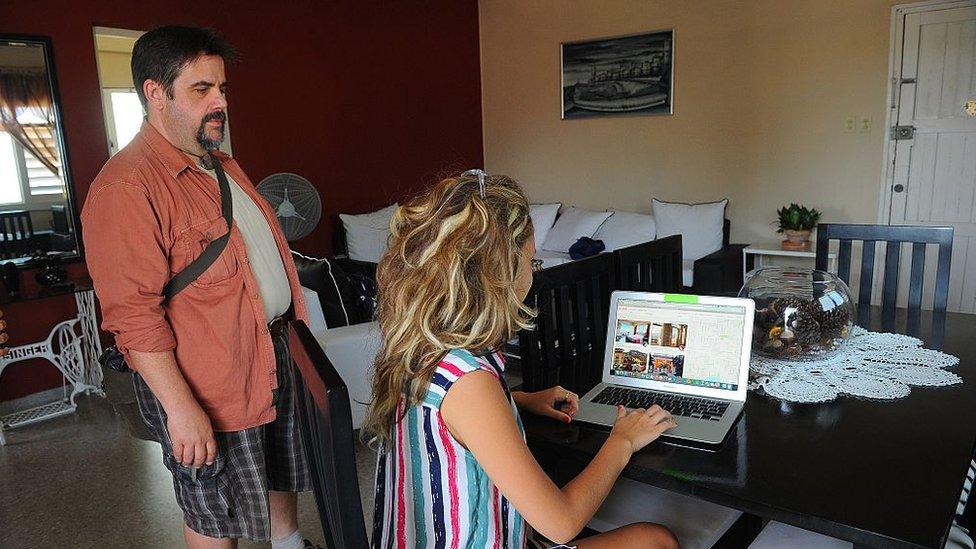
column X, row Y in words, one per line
column 192, row 436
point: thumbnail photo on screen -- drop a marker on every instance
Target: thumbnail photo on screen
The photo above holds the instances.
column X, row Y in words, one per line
column 649, row 349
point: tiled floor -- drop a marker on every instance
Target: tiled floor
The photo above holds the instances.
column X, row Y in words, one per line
column 84, row 480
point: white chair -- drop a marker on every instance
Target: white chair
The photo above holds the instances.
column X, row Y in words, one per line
column 697, row 524
column 778, row 535
column 351, row 350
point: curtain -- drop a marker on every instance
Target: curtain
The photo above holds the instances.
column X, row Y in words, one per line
column 27, row 113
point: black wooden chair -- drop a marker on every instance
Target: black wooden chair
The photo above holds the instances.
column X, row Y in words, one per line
column 16, row 234
column 653, row 266
column 893, row 237
column 566, row 347
column 325, row 422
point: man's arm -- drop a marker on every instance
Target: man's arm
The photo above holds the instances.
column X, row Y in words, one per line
column 129, row 265
column 188, row 425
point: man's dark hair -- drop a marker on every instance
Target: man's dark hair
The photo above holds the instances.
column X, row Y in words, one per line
column 161, row 54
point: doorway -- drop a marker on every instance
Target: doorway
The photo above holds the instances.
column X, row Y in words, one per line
column 931, row 147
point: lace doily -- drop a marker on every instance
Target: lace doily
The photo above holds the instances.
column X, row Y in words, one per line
column 871, row 365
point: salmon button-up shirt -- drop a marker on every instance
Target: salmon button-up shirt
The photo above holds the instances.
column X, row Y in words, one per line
column 149, row 213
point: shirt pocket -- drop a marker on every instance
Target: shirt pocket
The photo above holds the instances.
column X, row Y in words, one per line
column 191, row 243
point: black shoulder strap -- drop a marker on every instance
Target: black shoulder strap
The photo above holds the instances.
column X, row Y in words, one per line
column 192, row 271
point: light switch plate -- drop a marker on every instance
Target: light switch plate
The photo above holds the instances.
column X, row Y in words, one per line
column 864, row 126
column 849, row 124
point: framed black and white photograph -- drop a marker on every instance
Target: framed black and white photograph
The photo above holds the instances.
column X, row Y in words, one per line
column 622, row 75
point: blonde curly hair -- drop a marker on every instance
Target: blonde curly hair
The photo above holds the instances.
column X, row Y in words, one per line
column 447, row 281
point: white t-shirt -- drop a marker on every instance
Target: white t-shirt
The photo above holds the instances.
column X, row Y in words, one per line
column 262, row 251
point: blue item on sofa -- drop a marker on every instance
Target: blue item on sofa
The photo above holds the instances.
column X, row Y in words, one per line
column 585, row 247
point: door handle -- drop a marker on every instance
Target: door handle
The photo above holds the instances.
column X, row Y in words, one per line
column 898, row 188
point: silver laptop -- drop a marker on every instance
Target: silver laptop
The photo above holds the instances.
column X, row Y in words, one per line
column 689, row 354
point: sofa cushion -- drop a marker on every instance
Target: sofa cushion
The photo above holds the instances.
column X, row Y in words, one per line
column 624, row 229
column 700, row 225
column 543, row 216
column 367, row 235
column 571, row 225
column 332, row 285
column 316, row 318
column 352, row 350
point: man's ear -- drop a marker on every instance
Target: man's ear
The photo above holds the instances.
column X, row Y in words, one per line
column 155, row 95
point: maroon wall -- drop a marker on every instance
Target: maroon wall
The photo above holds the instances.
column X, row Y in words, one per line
column 366, row 99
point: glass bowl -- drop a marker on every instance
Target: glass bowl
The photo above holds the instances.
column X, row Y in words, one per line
column 801, row 314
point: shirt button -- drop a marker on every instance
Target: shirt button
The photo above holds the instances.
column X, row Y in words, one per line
column 254, row 296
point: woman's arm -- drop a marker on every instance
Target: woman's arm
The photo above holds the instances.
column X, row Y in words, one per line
column 479, row 417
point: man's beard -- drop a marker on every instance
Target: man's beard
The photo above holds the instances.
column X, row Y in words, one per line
column 206, row 142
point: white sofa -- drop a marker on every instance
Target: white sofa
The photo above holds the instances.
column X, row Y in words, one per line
column 351, row 350
column 701, row 227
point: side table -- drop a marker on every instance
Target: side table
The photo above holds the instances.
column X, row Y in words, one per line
column 760, row 251
column 73, row 347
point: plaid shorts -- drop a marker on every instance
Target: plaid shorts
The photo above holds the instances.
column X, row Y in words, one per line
column 229, row 498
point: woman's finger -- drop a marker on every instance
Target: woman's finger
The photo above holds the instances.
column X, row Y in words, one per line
column 658, row 416
column 556, row 414
column 572, row 405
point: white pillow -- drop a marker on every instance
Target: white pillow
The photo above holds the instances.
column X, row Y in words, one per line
column 367, row 235
column 700, row 225
column 626, row 229
column 543, row 216
column 573, row 224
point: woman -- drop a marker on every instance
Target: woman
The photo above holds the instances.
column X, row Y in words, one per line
column 453, row 468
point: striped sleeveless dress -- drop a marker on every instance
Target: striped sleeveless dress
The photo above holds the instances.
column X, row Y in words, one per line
column 430, row 490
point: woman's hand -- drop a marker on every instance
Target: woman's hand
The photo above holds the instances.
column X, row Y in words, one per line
column 555, row 402
column 640, row 427
column 3, row 336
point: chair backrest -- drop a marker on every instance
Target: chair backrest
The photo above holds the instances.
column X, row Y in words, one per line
column 566, row 347
column 893, row 236
column 16, row 233
column 653, row 266
column 325, row 423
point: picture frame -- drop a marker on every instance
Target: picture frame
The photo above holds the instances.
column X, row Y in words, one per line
column 629, row 75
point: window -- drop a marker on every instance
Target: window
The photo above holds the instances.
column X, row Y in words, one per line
column 11, row 189
column 23, row 178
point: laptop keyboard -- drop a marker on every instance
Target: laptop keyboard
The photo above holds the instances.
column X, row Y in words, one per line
column 678, row 405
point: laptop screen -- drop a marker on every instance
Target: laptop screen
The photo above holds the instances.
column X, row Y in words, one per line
column 683, row 343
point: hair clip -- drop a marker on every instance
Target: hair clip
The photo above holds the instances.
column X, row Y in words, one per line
column 481, row 179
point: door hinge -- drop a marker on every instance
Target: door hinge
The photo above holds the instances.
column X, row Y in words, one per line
column 902, row 132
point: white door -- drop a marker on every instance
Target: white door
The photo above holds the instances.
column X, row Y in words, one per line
column 934, row 170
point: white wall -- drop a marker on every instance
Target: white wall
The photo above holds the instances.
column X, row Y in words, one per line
column 762, row 89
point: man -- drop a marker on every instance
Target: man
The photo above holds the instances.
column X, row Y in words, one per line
column 212, row 369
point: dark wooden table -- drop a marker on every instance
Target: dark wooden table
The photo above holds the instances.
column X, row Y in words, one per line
column 877, row 473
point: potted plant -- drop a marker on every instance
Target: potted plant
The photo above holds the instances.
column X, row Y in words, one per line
column 797, row 221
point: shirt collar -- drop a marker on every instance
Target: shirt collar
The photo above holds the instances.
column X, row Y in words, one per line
column 172, row 158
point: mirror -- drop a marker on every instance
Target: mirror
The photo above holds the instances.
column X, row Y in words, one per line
column 38, row 214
